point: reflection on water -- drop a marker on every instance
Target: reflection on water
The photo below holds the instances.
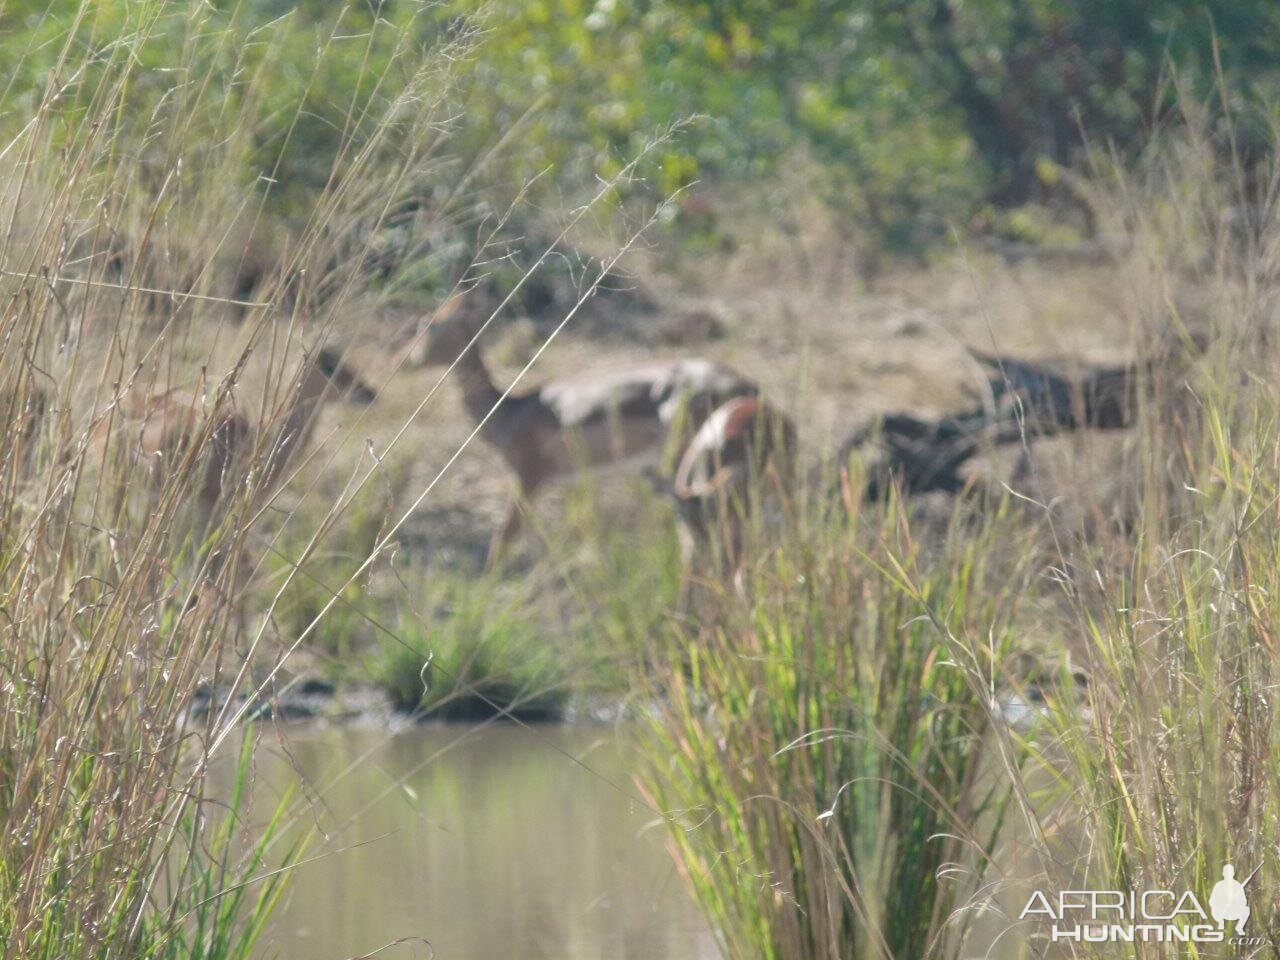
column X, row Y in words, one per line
column 487, row 843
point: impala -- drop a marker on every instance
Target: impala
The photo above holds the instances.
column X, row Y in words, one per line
column 566, row 426
column 743, row 454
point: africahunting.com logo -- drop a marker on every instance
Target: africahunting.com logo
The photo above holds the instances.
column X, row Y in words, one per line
column 1160, row 916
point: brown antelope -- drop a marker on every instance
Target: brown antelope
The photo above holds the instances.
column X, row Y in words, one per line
column 743, row 451
column 566, row 426
column 164, row 427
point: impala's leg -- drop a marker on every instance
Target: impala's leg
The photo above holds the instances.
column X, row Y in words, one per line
column 505, row 533
column 510, row 525
column 688, row 558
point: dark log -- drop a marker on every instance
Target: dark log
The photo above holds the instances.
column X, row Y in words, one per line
column 1100, row 398
column 1029, row 400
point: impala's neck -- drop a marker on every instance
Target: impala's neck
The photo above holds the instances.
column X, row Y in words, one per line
column 479, row 395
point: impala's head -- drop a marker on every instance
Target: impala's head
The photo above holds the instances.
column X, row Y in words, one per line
column 448, row 332
column 330, row 372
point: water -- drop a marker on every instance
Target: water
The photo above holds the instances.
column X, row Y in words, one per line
column 487, row 843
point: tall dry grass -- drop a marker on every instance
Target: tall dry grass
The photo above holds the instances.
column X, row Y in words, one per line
column 130, row 189
column 1167, row 769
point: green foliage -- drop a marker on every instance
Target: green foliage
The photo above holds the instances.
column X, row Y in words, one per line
column 316, row 78
column 468, row 653
column 257, row 110
column 912, row 114
column 623, row 570
column 315, row 570
column 909, row 117
column 468, row 648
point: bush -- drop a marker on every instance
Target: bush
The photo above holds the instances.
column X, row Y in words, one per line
column 472, row 654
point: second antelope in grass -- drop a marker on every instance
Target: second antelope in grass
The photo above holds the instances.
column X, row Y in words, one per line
column 181, row 438
column 171, row 430
column 565, row 426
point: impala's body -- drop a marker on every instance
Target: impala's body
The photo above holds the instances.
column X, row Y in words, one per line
column 614, row 419
column 566, row 426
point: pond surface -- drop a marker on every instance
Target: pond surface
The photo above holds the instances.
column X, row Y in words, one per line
column 488, row 843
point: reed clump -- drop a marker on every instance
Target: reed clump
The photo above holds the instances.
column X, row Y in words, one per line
column 820, row 739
